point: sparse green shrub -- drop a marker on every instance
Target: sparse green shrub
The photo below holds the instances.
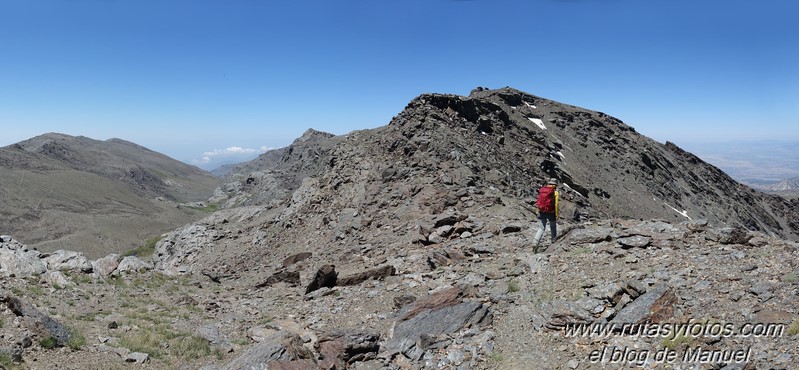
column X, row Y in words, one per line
column 791, row 278
column 580, row 251
column 190, row 347
column 36, row 290
column 2, row 323
column 145, row 250
column 210, row 208
column 793, row 329
column 117, row 281
column 143, row 341
column 16, row 291
column 265, row 320
column 513, row 286
column 241, row 341
column 179, row 344
column 76, row 340
column 676, row 340
column 47, row 343
column 6, row 362
column 79, row 278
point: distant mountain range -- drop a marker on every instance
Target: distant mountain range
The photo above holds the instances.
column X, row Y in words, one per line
column 64, row 192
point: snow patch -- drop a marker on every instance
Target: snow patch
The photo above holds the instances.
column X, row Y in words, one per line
column 538, row 122
column 561, row 155
column 683, row 213
column 529, row 105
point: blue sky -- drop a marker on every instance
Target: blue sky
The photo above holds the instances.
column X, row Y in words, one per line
column 193, row 78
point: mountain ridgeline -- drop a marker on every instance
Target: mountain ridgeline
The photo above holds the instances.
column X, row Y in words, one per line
column 440, row 146
column 65, row 192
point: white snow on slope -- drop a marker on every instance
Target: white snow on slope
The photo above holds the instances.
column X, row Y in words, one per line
column 538, row 122
column 529, row 105
column 683, row 213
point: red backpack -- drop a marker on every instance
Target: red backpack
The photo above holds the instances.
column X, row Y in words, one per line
column 546, row 200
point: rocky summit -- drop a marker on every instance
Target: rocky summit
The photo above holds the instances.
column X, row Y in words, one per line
column 409, row 246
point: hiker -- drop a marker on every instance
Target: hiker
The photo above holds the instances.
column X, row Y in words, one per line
column 548, row 198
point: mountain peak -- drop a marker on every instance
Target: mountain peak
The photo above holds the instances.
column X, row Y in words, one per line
column 311, row 134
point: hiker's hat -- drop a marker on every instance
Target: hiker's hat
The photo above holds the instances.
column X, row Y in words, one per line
column 552, row 181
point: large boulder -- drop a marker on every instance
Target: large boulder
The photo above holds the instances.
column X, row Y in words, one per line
column 39, row 323
column 443, row 312
column 17, row 260
column 656, row 305
column 62, row 260
column 132, row 264
column 105, row 266
column 279, row 346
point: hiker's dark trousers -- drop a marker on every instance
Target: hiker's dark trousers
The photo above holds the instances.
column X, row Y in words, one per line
column 542, row 225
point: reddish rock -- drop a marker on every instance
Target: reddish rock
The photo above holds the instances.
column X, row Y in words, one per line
column 379, row 273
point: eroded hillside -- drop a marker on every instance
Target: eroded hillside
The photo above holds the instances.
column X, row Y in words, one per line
column 63, row 192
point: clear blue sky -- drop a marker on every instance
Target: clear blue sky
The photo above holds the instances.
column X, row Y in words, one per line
column 189, row 77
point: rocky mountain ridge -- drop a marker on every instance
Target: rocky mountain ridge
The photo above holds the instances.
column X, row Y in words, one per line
column 508, row 140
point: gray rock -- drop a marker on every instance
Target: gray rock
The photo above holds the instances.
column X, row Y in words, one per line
column 482, row 249
column 39, row 323
column 566, row 313
column 321, row 292
column 105, row 266
column 279, row 346
column 132, row 264
column 444, row 231
column 379, row 273
column 68, row 261
column 291, row 278
column 443, row 312
column 325, row 277
column 610, row 292
column 21, row 262
column 435, row 238
column 654, row 306
column 55, row 278
column 762, row 288
column 211, row 333
column 137, row 357
column 342, row 347
column 636, row 241
column 658, row 230
column 445, row 220
column 586, row 236
column 729, row 235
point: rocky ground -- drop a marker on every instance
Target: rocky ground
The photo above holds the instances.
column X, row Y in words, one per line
column 485, row 301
